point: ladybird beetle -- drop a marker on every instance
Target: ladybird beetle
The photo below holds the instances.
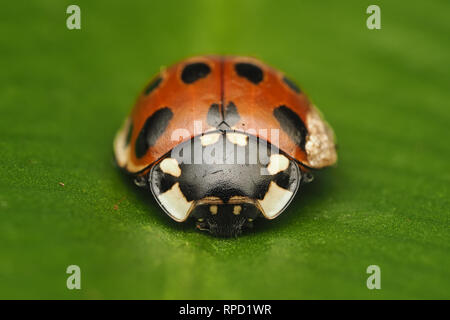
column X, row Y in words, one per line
column 223, row 140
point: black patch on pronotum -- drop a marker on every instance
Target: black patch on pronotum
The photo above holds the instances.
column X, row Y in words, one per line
column 161, row 181
column 249, row 71
column 214, row 118
column 231, row 114
column 152, row 86
column 153, row 128
column 287, row 178
column 291, row 84
column 194, row 71
column 291, row 123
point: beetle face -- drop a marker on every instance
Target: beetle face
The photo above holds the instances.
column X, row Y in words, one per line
column 224, row 180
column 225, row 220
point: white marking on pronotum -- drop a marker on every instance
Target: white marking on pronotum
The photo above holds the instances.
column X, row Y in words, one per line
column 209, row 139
column 237, row 210
column 319, row 146
column 170, row 166
column 274, row 201
column 277, row 163
column 174, row 201
column 213, row 209
column 121, row 149
column 237, row 138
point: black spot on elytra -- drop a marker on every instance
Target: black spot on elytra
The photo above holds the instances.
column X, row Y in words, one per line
column 195, row 71
column 231, row 114
column 292, row 84
column 292, row 124
column 130, row 130
column 214, row 118
column 153, row 85
column 249, row 71
column 153, row 128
